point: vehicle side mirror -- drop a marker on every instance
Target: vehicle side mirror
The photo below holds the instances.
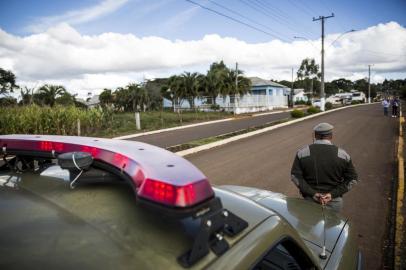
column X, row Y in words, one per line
column 75, row 161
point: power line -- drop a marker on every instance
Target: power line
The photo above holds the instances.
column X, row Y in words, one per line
column 281, row 13
column 329, row 11
column 299, row 7
column 235, row 20
column 243, row 16
column 261, row 10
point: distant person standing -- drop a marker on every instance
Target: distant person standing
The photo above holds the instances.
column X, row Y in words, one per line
column 395, row 106
column 385, row 104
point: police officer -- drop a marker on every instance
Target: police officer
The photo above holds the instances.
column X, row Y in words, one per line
column 322, row 171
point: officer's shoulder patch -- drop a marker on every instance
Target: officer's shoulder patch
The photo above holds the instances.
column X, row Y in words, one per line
column 343, row 155
column 303, row 152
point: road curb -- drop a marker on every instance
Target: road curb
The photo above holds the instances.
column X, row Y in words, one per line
column 399, row 197
column 191, row 125
column 256, row 132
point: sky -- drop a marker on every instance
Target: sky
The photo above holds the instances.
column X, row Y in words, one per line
column 89, row 45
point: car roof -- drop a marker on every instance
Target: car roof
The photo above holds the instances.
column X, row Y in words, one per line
column 97, row 225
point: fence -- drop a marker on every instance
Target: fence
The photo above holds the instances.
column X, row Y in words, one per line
column 236, row 104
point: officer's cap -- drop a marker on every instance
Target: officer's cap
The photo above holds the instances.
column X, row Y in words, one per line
column 323, row 129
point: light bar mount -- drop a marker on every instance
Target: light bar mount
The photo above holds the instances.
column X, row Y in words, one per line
column 215, row 222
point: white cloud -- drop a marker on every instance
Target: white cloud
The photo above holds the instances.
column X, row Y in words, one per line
column 83, row 63
column 75, row 17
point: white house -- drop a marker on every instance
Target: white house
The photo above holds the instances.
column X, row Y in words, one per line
column 299, row 95
column 264, row 95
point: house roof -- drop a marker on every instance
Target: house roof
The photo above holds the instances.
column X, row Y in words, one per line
column 94, row 100
column 256, row 81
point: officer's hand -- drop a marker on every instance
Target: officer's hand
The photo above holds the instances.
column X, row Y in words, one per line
column 325, row 198
column 317, row 197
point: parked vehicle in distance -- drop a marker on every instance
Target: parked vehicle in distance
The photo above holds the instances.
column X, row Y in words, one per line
column 316, row 103
column 358, row 96
column 79, row 202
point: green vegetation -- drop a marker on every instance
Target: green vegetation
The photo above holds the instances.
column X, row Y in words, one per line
column 313, row 110
column 297, row 113
column 328, row 105
column 62, row 120
column 57, row 120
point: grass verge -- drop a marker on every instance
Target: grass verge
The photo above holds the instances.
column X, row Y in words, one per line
column 203, row 141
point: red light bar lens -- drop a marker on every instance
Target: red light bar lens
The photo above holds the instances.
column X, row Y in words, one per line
column 176, row 196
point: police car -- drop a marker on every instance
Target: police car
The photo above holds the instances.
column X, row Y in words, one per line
column 90, row 203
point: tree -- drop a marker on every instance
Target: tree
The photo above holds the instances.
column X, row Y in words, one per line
column 174, row 90
column 122, row 99
column 244, row 84
column 216, row 81
column 138, row 96
column 191, row 87
column 27, row 95
column 66, row 99
column 7, row 81
column 308, row 71
column 154, row 88
column 361, row 85
column 7, row 101
column 343, row 84
column 106, row 98
column 47, row 94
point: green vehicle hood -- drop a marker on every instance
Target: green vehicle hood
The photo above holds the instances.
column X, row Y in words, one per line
column 306, row 217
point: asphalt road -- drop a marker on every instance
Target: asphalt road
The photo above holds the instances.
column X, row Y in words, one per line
column 180, row 136
column 265, row 161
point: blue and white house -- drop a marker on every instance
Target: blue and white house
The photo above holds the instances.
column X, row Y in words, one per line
column 265, row 95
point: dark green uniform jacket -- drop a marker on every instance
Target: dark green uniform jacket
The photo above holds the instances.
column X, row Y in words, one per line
column 332, row 166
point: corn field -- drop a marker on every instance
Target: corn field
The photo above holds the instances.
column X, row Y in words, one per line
column 57, row 120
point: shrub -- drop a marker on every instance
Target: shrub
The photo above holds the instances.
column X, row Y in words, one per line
column 215, row 107
column 328, row 105
column 308, row 103
column 353, row 102
column 297, row 113
column 300, row 102
column 313, row 110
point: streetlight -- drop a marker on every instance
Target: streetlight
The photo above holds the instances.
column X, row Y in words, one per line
column 308, row 40
column 349, row 31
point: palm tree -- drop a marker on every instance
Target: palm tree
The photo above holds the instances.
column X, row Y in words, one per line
column 216, row 81
column 138, row 96
column 191, row 87
column 106, row 97
column 48, row 93
column 243, row 83
column 175, row 90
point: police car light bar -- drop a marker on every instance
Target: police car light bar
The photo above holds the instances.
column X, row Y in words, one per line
column 157, row 175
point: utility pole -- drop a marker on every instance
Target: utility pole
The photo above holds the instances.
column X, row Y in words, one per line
column 292, row 92
column 236, row 88
column 236, row 77
column 369, row 83
column 322, row 94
